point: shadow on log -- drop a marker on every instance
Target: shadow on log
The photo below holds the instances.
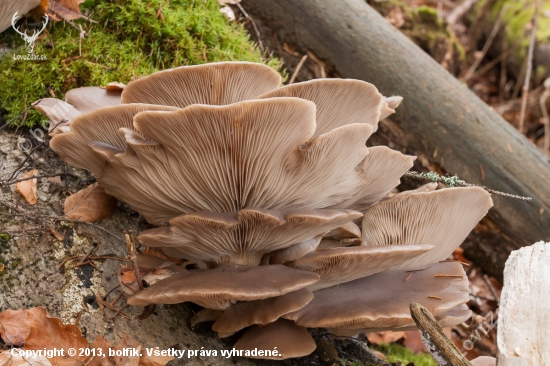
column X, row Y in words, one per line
column 440, row 120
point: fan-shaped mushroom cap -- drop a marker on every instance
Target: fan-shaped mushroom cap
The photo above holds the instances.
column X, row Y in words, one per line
column 246, row 313
column 339, row 265
column 89, row 98
column 217, row 288
column 9, row 7
column 242, row 237
column 293, row 252
column 288, row 339
column 382, row 300
column 381, row 169
column 339, row 102
column 222, row 159
column 388, row 106
column 441, row 218
column 447, row 319
column 218, row 83
column 347, row 231
column 59, row 112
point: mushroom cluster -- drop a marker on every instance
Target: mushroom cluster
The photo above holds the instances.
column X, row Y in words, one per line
column 260, row 189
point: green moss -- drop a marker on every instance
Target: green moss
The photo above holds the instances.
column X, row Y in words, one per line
column 129, row 40
column 396, row 352
column 15, row 262
column 517, row 19
column 428, row 15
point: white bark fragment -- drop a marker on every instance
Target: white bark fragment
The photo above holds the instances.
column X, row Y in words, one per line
column 524, row 314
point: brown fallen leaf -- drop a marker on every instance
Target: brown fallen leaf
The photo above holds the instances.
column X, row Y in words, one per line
column 7, row 359
column 35, row 329
column 90, row 204
column 115, row 86
column 27, row 188
column 63, row 9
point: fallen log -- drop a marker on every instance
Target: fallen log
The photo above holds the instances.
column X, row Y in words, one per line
column 440, row 120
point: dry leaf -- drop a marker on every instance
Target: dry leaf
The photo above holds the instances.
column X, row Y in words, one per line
column 27, row 188
column 90, row 204
column 115, row 86
column 63, row 9
column 7, row 359
column 101, row 343
column 36, row 330
column 128, row 277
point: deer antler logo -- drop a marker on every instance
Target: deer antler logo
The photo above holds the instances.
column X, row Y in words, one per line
column 29, row 40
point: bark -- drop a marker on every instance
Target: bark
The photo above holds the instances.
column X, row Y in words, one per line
column 440, row 120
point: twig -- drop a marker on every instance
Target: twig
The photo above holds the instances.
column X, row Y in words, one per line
column 131, row 244
column 460, row 11
column 454, row 181
column 525, row 90
column 491, row 287
column 36, row 176
column 256, row 30
column 297, row 70
column 440, row 347
column 545, row 118
column 487, row 45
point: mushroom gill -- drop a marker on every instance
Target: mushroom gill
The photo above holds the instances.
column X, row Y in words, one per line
column 244, row 179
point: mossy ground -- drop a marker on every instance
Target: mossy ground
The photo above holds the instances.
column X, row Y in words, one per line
column 131, row 38
column 397, row 353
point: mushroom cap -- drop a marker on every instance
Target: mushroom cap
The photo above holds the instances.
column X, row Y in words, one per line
column 382, row 300
column 242, row 237
column 217, row 288
column 449, row 318
column 268, row 153
column 441, row 218
column 89, row 98
column 382, row 170
column 103, row 125
column 289, row 339
column 339, row 102
column 60, row 114
column 246, row 313
column 293, row 252
column 340, row 265
column 217, row 83
column 9, row 7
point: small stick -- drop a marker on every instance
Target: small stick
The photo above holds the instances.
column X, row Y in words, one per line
column 491, row 287
column 448, row 275
column 440, row 347
column 487, row 45
column 435, row 297
column 545, row 119
column 297, row 70
column 525, row 90
column 130, row 242
column 253, row 25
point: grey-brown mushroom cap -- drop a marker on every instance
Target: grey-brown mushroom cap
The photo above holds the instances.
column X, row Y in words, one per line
column 287, row 338
column 292, row 252
column 218, row 83
column 59, row 112
column 218, row 288
column 382, row 300
column 89, row 98
column 450, row 318
column 242, row 237
column 340, row 265
column 442, row 218
column 381, row 170
column 246, row 313
column 99, row 126
column 9, row 7
column 339, row 101
column 255, row 153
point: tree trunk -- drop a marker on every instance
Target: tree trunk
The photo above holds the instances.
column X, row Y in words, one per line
column 440, row 120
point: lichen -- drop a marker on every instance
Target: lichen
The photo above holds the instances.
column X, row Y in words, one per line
column 130, row 39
